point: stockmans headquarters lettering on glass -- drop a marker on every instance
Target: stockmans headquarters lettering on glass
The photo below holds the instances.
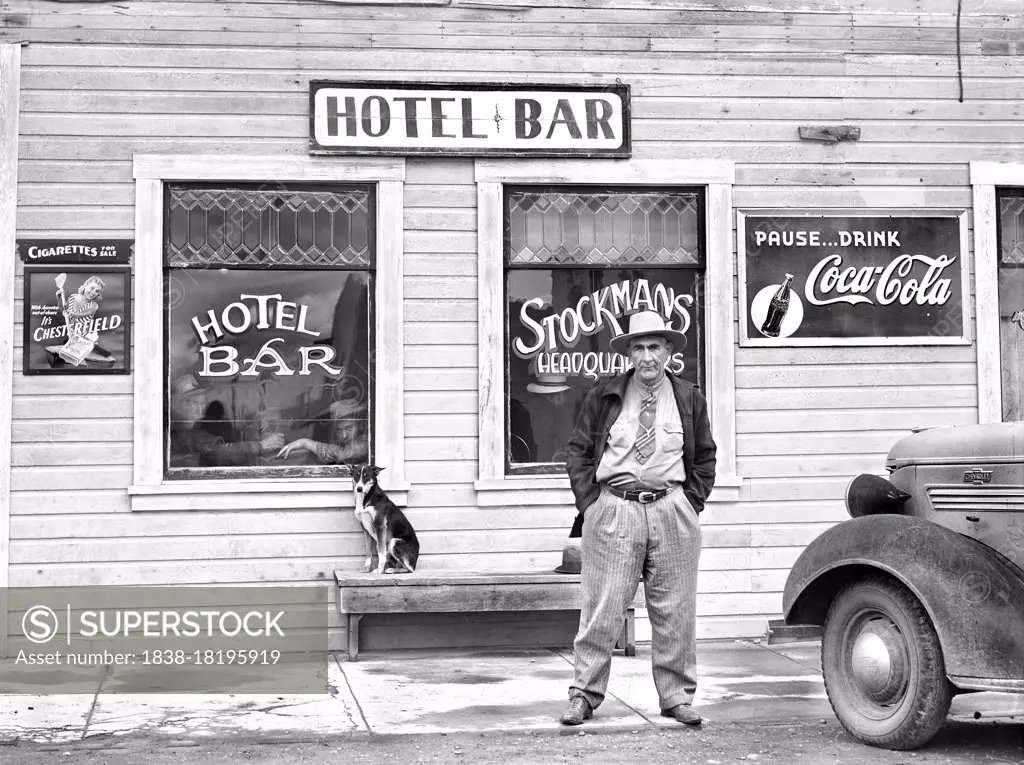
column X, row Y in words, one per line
column 470, row 119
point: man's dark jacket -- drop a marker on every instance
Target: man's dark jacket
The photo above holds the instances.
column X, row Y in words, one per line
column 601, row 408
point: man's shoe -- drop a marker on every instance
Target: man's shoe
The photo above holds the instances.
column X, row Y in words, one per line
column 579, row 709
column 684, row 713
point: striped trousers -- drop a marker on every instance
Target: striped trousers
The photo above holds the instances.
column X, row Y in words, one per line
column 623, row 539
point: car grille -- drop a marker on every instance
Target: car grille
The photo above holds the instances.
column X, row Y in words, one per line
column 953, row 497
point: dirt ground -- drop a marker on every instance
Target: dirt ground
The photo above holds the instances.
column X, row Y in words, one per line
column 822, row 743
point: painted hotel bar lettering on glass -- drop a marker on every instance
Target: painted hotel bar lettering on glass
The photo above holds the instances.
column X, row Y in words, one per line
column 470, row 119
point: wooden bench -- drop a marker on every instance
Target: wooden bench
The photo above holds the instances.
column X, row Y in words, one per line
column 462, row 592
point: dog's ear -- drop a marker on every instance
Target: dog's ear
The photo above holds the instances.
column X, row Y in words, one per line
column 376, row 471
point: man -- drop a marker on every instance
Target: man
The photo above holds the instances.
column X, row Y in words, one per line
column 641, row 463
column 349, row 418
column 192, row 445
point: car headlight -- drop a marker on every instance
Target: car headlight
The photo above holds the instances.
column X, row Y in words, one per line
column 869, row 494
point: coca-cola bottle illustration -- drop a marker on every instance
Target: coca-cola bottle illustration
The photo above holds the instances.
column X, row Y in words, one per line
column 777, row 309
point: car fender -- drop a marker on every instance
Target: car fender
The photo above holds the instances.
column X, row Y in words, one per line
column 974, row 596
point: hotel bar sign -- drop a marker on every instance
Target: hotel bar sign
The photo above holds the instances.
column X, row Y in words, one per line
column 469, row 119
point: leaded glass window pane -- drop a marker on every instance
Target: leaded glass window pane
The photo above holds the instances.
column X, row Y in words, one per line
column 294, row 227
column 1011, row 221
column 603, row 228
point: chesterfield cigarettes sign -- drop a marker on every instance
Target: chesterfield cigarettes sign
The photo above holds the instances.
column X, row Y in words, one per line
column 76, row 321
column 471, row 119
column 853, row 279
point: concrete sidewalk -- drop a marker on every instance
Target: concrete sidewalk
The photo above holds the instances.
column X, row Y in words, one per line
column 450, row 692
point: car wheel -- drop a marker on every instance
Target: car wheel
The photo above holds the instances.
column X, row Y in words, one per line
column 883, row 667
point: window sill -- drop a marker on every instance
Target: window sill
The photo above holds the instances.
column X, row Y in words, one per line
column 253, row 494
column 544, row 490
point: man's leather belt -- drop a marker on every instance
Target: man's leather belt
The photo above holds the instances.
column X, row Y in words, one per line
column 644, row 496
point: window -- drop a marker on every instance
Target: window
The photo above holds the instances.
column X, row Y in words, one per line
column 578, row 261
column 712, row 179
column 990, row 215
column 1010, row 233
column 268, row 329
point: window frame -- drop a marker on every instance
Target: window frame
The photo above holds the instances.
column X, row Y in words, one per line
column 986, row 177
column 151, row 488
column 493, row 486
column 1016, row 192
column 515, row 470
column 370, row 269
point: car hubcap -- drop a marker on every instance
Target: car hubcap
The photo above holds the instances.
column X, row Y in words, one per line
column 879, row 660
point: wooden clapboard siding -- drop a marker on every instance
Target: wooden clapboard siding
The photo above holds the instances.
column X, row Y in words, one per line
column 827, row 420
column 61, row 431
column 343, row 541
column 833, row 375
column 429, row 402
column 212, row 558
column 49, row 452
column 34, row 407
column 808, row 442
column 855, row 356
column 729, row 80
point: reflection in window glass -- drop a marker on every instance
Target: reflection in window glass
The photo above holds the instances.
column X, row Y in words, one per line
column 261, row 360
column 560, row 326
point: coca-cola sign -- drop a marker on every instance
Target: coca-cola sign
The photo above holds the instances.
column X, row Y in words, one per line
column 853, row 279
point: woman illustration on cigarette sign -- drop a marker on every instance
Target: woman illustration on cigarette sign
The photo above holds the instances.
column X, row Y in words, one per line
column 79, row 310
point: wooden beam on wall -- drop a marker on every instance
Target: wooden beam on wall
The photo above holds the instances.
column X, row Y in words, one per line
column 10, row 87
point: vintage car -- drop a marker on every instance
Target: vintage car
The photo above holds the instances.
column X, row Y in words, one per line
column 921, row 594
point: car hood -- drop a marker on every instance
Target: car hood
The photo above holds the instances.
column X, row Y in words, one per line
column 960, row 444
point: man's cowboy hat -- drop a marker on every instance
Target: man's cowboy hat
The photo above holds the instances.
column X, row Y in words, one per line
column 186, row 386
column 572, row 558
column 648, row 323
column 548, row 383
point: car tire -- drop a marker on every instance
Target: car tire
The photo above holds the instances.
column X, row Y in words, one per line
column 883, row 666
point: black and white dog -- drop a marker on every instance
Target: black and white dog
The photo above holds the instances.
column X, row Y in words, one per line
column 384, row 524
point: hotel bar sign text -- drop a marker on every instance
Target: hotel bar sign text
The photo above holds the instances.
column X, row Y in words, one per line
column 469, row 119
